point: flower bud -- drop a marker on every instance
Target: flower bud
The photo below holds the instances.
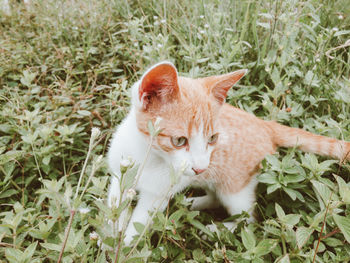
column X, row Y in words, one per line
column 93, row 236
column 95, row 132
column 125, row 164
column 130, row 194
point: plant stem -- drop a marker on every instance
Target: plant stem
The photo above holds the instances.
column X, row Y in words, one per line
column 66, row 234
column 322, row 228
column 121, row 233
column 93, row 170
column 147, row 225
column 36, row 161
column 164, row 229
column 140, row 170
column 118, row 249
column 283, row 242
column 327, row 208
column 82, row 172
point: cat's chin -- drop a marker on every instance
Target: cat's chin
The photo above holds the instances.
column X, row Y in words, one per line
column 188, row 173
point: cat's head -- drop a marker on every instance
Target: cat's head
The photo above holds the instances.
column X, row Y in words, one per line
column 188, row 109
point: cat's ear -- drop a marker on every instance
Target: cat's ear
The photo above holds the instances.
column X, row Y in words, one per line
column 160, row 83
column 219, row 85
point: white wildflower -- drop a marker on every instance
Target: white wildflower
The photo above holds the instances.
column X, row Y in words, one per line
column 155, row 17
column 159, row 45
column 84, row 210
column 335, row 29
column 126, row 162
column 201, row 16
column 95, row 132
column 202, row 32
column 130, row 194
column 163, row 21
column 340, row 17
column 136, row 44
column 206, row 26
column 93, row 236
column 156, row 23
column 318, row 60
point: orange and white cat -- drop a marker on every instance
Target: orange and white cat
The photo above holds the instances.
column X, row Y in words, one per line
column 217, row 147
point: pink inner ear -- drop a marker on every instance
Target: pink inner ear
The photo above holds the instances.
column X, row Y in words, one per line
column 160, row 82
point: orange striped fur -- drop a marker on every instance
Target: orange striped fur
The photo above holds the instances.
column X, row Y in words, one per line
column 244, row 140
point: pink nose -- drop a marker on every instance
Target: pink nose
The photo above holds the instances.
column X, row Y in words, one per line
column 198, row 171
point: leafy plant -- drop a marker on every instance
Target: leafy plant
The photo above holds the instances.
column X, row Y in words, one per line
column 67, row 66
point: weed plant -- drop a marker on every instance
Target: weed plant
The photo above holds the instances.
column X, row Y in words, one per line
column 66, row 68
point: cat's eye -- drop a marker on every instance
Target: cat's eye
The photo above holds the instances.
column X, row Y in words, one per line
column 179, row 141
column 213, row 138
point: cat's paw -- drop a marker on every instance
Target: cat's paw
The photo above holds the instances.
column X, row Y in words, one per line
column 193, row 201
column 203, row 202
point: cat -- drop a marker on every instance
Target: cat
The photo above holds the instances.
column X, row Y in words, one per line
column 216, row 146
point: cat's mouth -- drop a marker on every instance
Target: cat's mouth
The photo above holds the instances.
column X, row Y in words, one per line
column 189, row 170
column 189, row 173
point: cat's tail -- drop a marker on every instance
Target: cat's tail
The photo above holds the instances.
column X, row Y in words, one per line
column 284, row 136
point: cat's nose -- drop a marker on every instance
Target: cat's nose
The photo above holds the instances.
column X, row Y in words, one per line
column 198, row 171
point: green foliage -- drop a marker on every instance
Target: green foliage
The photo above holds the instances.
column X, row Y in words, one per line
column 67, row 66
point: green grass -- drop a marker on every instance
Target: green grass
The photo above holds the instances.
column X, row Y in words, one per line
column 67, row 66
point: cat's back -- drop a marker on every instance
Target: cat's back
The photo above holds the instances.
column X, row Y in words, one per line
column 235, row 119
column 244, row 141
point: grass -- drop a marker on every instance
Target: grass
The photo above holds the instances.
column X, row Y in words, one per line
column 67, row 66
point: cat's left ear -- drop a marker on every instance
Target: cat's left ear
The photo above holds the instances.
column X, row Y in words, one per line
column 219, row 85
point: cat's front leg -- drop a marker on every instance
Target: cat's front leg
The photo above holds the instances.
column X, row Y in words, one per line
column 243, row 200
column 208, row 201
column 236, row 203
column 148, row 203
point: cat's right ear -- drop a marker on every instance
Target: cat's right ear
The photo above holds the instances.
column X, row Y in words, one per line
column 159, row 84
